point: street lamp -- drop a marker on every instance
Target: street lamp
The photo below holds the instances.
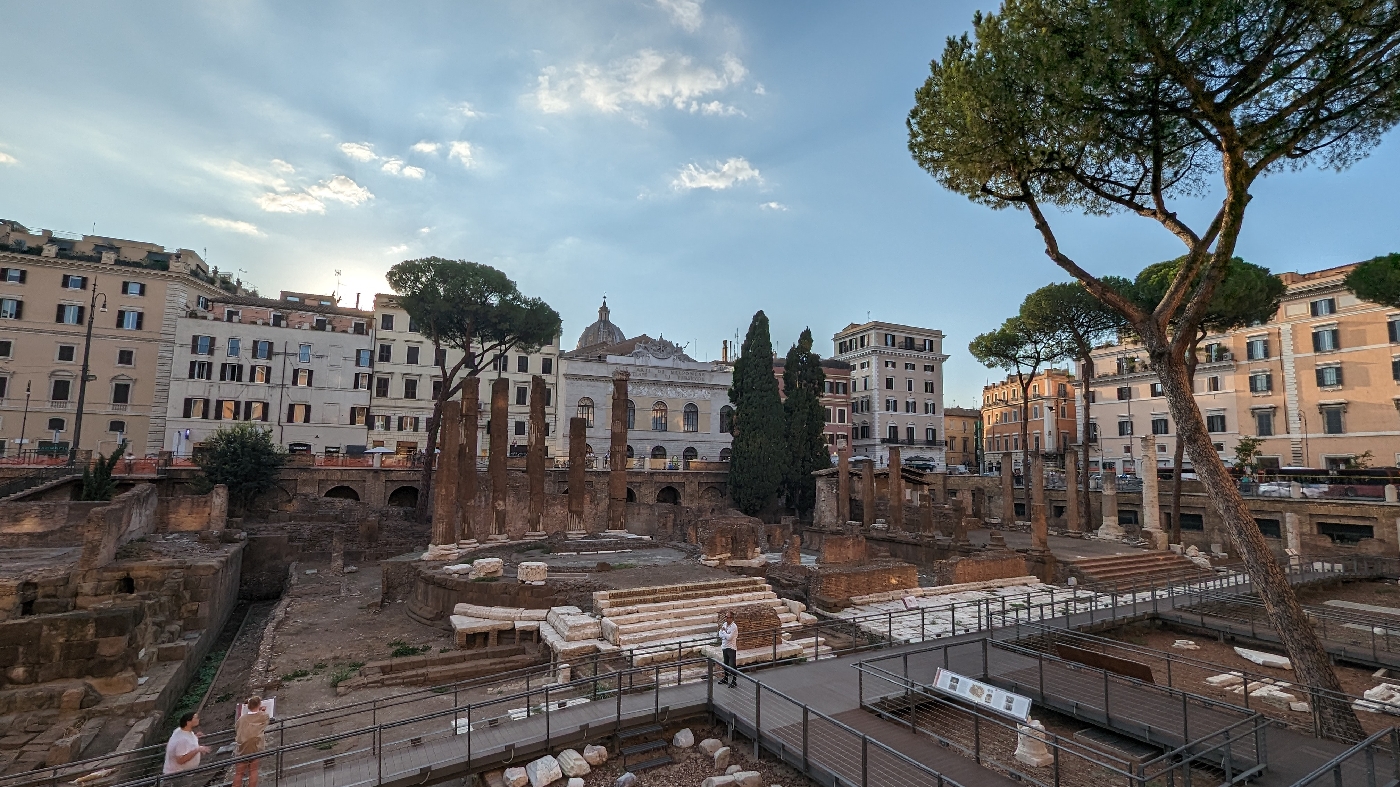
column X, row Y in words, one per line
column 83, row 380
column 24, row 422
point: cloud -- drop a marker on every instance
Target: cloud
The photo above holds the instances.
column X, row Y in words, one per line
column 773, row 206
column 466, row 110
column 359, row 151
column 399, row 249
column 713, row 108
column 462, row 151
column 426, row 147
column 282, row 166
column 299, row 202
column 735, row 170
column 647, row 79
column 6, row 158
column 340, row 189
column 395, row 166
column 758, row 89
column 686, row 14
column 236, row 171
column 232, row 225
column 424, row 230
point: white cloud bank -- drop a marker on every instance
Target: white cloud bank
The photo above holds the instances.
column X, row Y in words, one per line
column 734, row 171
column 461, row 151
column 773, row 206
column 395, row 166
column 425, row 147
column 231, row 225
column 359, row 151
column 647, row 79
column 6, row 158
column 314, row 198
column 685, row 14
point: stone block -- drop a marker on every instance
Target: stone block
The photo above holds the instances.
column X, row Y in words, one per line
column 733, row 769
column 120, row 683
column 172, row 651
column 487, row 567
column 544, row 771
column 1264, row 659
column 515, row 777
column 575, row 782
column 683, row 739
column 111, row 646
column 532, row 572
column 718, row 781
column 571, row 763
column 627, row 779
column 595, row 755
column 722, row 758
column 710, row 745
column 748, row 779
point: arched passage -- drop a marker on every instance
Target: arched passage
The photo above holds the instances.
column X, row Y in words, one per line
column 404, row 497
column 668, row 494
column 631, row 495
column 342, row 493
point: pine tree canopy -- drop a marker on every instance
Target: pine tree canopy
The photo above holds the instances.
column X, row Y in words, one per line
column 758, row 461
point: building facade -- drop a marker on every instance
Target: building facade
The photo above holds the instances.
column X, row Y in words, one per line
column 133, row 293
column 678, row 408
column 1050, row 407
column 407, row 378
column 297, row 365
column 1318, row 385
column 896, row 390
column 835, row 400
column 963, row 427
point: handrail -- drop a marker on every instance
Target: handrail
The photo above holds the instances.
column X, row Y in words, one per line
column 1333, row 767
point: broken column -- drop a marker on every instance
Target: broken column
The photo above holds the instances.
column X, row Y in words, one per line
column 896, row 490
column 1008, row 492
column 534, row 459
column 1040, row 528
column 940, row 481
column 1151, row 505
column 843, row 486
column 617, row 456
column 496, row 466
column 443, row 543
column 1072, row 491
column 466, row 462
column 1110, row 528
column 578, row 450
column 867, row 492
column 926, row 514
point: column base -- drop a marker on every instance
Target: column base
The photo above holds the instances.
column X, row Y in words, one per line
column 574, row 535
column 469, row 543
column 535, row 535
column 498, row 538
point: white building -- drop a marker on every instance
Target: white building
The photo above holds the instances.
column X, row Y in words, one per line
column 407, row 380
column 896, row 390
column 678, row 408
column 298, row 365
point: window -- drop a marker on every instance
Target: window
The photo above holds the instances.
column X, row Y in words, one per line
column 1332, row 419
column 121, row 393
column 227, row 410
column 126, row 357
column 1216, row 352
column 891, row 406
column 359, row 329
column 57, row 424
column 1155, row 390
column 1160, row 426
column 1392, row 327
column 13, row 275
column 362, row 359
column 412, row 324
column 1329, row 376
column 1092, row 432
column 410, row 388
column 231, row 373
column 202, row 345
column 411, row 355
column 520, row 428
column 1215, row 422
column 585, row 411
column 909, row 434
column 202, row 302
column 522, row 364
column 658, row 417
column 1323, row 307
column 260, row 374
column 233, row 315
column 7, row 348
column 1326, row 340
column 298, row 413
column 928, row 386
column 889, row 383
column 1125, row 428
column 302, row 377
column 726, row 419
column 1269, row 527
column 408, row 423
column 386, row 322
column 1264, row 423
column 319, row 323
column 386, row 353
column 11, row 309
column 360, row 382
column 546, row 366
column 931, row 435
column 201, row 370
column 909, row 367
column 235, row 346
column 1256, row 349
column 381, row 387
column 255, row 411
column 1125, row 392
column 304, row 353
column 1394, row 369
column 1261, row 382
column 74, row 282
column 262, row 351
column 690, row 418
column 117, row 427
column 69, row 314
column 196, row 408
column 380, row 423
column 278, row 320
column 1192, row 521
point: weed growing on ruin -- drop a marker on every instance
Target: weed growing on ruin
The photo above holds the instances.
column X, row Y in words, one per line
column 198, row 687
column 345, row 672
column 296, row 675
column 400, row 649
column 486, row 579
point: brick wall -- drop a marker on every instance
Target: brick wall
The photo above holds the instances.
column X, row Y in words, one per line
column 839, row 583
column 756, row 623
column 127, row 517
column 843, row 550
column 978, row 568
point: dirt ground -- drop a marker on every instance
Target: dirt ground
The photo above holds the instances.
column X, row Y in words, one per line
column 1381, row 592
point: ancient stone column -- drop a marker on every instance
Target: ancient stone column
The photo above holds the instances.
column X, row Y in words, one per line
column 926, row 514
column 895, row 490
column 867, row 492
column 496, row 466
column 534, row 459
column 578, row 457
column 940, row 481
column 617, row 455
column 1040, row 528
column 466, row 462
column 843, row 486
column 1008, row 491
column 1151, row 505
column 1072, row 490
column 445, row 492
column 1110, row 527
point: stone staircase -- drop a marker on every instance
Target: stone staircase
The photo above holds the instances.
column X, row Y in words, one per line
column 1136, row 570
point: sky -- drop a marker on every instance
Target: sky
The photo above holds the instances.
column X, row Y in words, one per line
column 693, row 160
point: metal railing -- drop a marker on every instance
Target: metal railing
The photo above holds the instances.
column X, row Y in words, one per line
column 1374, row 761
column 44, row 475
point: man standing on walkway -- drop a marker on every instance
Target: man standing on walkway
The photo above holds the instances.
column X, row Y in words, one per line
column 183, row 751
column 729, row 644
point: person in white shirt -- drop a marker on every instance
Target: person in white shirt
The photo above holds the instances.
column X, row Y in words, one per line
column 729, row 644
column 184, row 751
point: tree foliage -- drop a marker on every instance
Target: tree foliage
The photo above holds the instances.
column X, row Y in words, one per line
column 244, row 458
column 805, row 417
column 1247, row 294
column 98, row 483
column 759, row 459
column 1377, row 280
column 1022, row 349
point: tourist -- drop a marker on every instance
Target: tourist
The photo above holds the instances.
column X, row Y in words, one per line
column 183, row 751
column 248, row 739
column 729, row 644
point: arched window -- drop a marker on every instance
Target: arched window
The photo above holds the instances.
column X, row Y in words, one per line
column 690, row 454
column 691, row 418
column 726, row 419
column 585, row 410
column 658, row 419
column 629, row 452
column 659, row 452
column 631, row 416
column 724, row 454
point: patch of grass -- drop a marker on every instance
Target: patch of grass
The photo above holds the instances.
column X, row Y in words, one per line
column 324, row 746
column 225, row 697
column 403, row 649
column 296, row 675
column 621, row 566
column 486, row 579
column 198, row 687
column 345, row 672
column 443, row 650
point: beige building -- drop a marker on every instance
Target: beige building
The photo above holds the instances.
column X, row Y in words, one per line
column 1051, row 409
column 134, row 293
column 896, row 390
column 1319, row 384
column 963, row 426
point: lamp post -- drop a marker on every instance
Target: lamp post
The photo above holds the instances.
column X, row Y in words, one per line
column 83, row 380
column 23, row 422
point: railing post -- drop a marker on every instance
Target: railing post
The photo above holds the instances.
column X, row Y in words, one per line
column 864, row 760
column 469, row 736
column 710, row 683
column 922, row 635
column 378, row 755
column 805, row 766
column 546, row 713
column 757, row 716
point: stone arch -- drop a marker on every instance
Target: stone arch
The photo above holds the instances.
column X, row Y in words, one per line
column 405, row 496
column 631, row 495
column 669, row 494
column 690, row 454
column 658, row 452
column 126, row 585
column 724, row 454
column 711, row 493
column 342, row 492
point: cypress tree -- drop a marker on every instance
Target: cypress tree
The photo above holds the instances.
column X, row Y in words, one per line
column 758, row 462
column 803, row 380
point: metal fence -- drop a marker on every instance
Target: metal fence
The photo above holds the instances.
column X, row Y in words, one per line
column 1372, row 762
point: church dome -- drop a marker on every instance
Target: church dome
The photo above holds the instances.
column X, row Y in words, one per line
column 602, row 331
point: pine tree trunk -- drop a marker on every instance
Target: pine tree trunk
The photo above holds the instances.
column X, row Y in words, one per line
column 423, row 513
column 1085, row 509
column 1311, row 664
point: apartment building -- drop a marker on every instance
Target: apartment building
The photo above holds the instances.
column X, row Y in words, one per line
column 835, row 399
column 1051, row 410
column 406, row 381
column 299, row 365
column 1312, row 384
column 963, row 427
column 896, row 390
column 52, row 285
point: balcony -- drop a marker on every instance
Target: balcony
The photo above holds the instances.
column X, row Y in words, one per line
column 936, row 443
column 59, row 404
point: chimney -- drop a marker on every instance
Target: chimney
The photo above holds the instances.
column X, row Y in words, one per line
column 357, row 300
column 724, row 351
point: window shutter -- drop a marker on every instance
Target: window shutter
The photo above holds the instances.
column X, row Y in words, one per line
column 310, row 373
column 1393, row 328
column 306, row 415
column 1395, row 369
column 1338, row 375
column 121, row 318
column 140, row 320
column 1320, row 382
column 23, row 274
column 189, row 402
column 58, row 317
column 192, row 363
column 83, row 280
column 291, row 408
column 1336, row 338
column 1317, row 337
column 264, row 411
column 1312, row 308
column 194, row 344
column 218, row 409
column 19, row 310
column 237, row 409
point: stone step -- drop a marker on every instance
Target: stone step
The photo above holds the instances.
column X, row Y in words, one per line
column 663, row 608
column 700, row 614
column 604, row 600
